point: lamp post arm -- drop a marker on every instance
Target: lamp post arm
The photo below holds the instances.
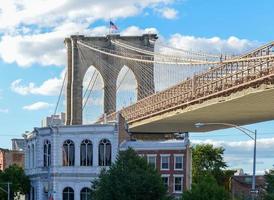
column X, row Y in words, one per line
column 244, row 130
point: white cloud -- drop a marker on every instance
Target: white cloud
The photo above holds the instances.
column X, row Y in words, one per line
column 239, row 154
column 37, row 106
column 48, row 48
column 231, row 45
column 134, row 30
column 168, row 13
column 35, row 29
column 4, row 110
column 49, row 13
column 48, row 88
column 42, row 48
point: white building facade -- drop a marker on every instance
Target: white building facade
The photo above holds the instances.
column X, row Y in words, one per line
column 62, row 161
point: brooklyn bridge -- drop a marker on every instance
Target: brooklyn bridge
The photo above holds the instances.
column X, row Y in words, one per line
column 236, row 89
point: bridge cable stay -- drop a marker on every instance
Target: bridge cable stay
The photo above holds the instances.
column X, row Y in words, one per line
column 89, row 83
column 179, row 78
column 90, row 91
column 59, row 97
column 82, row 55
column 178, row 74
column 145, row 70
column 122, row 80
column 103, row 63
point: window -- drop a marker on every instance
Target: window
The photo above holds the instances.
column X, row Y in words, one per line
column 32, row 196
column 86, row 153
column 178, row 184
column 165, row 179
column 85, row 194
column 68, row 194
column 165, row 162
column 178, row 162
column 32, row 156
column 47, row 153
column 151, row 159
column 68, row 153
column 29, row 157
column 104, row 153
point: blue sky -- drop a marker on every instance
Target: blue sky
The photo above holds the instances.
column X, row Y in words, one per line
column 32, row 55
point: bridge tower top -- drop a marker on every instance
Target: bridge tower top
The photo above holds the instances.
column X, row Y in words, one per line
column 80, row 58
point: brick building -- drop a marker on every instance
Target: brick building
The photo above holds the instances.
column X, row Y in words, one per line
column 241, row 186
column 172, row 158
column 10, row 157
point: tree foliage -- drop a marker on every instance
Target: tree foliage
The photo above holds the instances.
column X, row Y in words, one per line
column 20, row 183
column 206, row 189
column 207, row 160
column 269, row 188
column 130, row 177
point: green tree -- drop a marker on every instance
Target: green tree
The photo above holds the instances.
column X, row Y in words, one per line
column 130, row 177
column 269, row 187
column 207, row 160
column 206, row 189
column 20, row 183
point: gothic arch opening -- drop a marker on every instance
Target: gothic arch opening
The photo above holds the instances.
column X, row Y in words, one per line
column 126, row 88
column 93, row 95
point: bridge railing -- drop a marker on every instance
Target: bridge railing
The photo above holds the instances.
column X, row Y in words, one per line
column 215, row 81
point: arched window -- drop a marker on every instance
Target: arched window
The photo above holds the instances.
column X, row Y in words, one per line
column 68, row 193
column 85, row 194
column 68, row 153
column 86, row 153
column 104, row 153
column 47, row 153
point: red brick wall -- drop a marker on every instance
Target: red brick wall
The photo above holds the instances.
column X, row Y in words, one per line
column 171, row 170
column 8, row 158
column 18, row 158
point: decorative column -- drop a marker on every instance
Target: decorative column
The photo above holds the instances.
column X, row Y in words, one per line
column 69, row 77
column 76, row 85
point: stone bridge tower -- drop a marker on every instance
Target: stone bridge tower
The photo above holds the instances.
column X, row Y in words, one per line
column 80, row 58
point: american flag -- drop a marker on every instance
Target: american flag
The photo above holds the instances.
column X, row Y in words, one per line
column 112, row 26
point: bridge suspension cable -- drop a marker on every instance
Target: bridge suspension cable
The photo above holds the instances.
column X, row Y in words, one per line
column 155, row 54
column 150, row 59
column 188, row 52
column 142, row 58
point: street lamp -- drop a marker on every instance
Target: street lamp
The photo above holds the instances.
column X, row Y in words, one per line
column 248, row 133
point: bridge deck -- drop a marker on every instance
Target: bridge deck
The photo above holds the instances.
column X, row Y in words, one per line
column 244, row 107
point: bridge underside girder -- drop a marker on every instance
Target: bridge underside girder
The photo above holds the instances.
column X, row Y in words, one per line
column 244, row 107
